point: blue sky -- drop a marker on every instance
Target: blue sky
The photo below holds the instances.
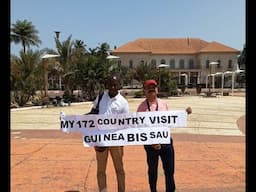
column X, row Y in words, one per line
column 120, row 21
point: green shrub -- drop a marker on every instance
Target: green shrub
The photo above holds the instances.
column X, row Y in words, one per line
column 138, row 94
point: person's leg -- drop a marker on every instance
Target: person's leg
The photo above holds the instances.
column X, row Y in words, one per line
column 102, row 158
column 117, row 157
column 167, row 157
column 152, row 161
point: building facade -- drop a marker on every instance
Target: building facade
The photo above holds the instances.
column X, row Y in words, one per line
column 192, row 58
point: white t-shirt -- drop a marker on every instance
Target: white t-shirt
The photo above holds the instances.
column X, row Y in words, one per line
column 114, row 105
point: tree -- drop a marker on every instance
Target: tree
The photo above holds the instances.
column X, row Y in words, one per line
column 103, row 50
column 242, row 59
column 64, row 49
column 24, row 32
column 145, row 71
column 80, row 47
column 25, row 78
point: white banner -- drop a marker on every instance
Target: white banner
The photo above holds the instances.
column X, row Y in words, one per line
column 131, row 136
column 76, row 123
column 139, row 128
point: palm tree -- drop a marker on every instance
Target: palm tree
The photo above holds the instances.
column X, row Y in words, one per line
column 68, row 62
column 145, row 71
column 80, row 47
column 24, row 32
column 103, row 50
column 93, row 51
column 25, row 78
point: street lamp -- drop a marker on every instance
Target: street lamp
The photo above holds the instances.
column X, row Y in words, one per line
column 44, row 58
column 232, row 80
column 239, row 71
column 57, row 33
column 159, row 67
column 185, row 83
column 222, row 80
column 211, row 64
column 186, row 78
column 110, row 57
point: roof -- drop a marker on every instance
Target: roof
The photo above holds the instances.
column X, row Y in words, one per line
column 172, row 46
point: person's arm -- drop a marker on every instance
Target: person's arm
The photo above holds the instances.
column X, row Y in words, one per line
column 94, row 106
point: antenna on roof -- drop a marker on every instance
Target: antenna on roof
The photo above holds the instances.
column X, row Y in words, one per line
column 188, row 41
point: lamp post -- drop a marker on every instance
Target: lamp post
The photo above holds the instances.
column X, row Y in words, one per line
column 114, row 63
column 113, row 58
column 232, row 79
column 44, row 58
column 222, row 80
column 159, row 67
column 185, row 82
column 213, row 82
column 186, row 78
column 110, row 57
column 239, row 71
column 57, row 33
column 206, row 81
column 211, row 64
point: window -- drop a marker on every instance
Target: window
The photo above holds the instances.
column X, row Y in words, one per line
column 207, row 64
column 172, row 64
column 162, row 61
column 230, row 65
column 191, row 64
column 130, row 64
column 141, row 62
column 182, row 64
column 218, row 65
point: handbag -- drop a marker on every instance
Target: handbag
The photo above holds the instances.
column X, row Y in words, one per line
column 96, row 111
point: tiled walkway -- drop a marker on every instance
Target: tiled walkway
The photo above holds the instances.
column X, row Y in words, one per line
column 209, row 153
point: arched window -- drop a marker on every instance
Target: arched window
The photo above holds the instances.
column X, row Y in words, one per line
column 182, row 64
column 191, row 64
column 230, row 64
column 172, row 64
column 162, row 61
column 207, row 64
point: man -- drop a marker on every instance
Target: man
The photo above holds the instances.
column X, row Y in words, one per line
column 111, row 102
column 165, row 151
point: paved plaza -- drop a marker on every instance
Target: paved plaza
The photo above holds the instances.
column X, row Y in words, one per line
column 209, row 152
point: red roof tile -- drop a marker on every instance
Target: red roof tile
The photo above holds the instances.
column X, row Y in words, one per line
column 172, row 46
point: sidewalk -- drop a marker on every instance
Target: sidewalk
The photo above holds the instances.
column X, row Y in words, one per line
column 47, row 160
column 58, row 162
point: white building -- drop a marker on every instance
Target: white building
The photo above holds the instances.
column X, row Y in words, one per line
column 191, row 56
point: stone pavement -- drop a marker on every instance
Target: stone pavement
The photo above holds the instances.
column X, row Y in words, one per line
column 209, row 152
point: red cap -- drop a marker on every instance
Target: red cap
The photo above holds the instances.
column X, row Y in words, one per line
column 149, row 82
